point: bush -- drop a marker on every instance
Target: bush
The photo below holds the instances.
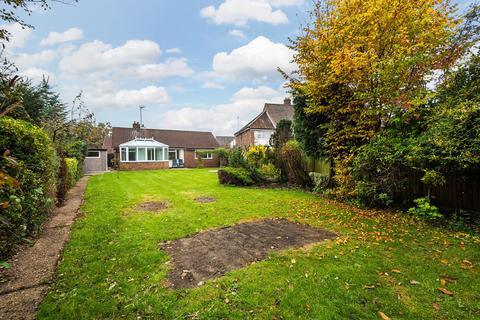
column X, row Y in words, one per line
column 236, row 159
column 235, row 176
column 72, row 171
column 222, row 155
column 292, row 164
column 29, row 158
column 269, row 172
column 425, row 210
column 320, row 181
column 256, row 155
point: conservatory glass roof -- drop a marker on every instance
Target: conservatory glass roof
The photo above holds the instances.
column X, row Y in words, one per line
column 143, row 142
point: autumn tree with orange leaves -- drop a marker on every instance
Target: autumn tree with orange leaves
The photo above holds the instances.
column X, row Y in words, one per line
column 362, row 61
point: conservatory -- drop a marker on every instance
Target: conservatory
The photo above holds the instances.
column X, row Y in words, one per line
column 142, row 154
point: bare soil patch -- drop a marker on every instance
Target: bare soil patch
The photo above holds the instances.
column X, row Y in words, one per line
column 212, row 253
column 152, row 206
column 205, row 199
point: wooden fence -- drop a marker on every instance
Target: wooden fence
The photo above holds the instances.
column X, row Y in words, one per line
column 461, row 192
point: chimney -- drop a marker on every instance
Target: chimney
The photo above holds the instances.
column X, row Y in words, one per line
column 136, row 125
column 287, row 101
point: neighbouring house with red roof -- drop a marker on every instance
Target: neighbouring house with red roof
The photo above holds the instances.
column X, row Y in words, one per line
column 259, row 130
column 139, row 148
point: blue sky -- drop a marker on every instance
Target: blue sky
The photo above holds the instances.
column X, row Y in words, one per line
column 195, row 65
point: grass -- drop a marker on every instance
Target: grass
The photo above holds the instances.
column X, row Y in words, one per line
column 112, row 267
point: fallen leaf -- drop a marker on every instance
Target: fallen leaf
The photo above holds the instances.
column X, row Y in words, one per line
column 370, row 286
column 293, row 261
column 445, row 291
column 465, row 264
column 414, row 282
column 383, row 315
column 444, row 261
column 436, row 306
column 396, row 271
column 448, row 279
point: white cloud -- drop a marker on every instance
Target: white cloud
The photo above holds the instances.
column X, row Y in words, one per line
column 36, row 74
column 18, row 35
column 171, row 67
column 212, row 85
column 259, row 58
column 97, row 56
column 237, row 33
column 104, row 96
column 222, row 119
column 174, row 50
column 60, row 37
column 239, row 12
column 25, row 60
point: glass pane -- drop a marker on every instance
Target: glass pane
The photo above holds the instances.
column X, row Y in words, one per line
column 150, row 154
column 165, row 153
column 158, row 154
column 93, row 154
column 124, row 154
column 132, row 154
column 141, row 154
column 172, row 155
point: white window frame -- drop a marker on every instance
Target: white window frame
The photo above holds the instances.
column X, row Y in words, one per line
column 127, row 151
column 96, row 157
column 210, row 152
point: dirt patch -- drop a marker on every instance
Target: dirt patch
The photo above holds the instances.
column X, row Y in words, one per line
column 212, row 253
column 152, row 206
column 33, row 267
column 205, row 199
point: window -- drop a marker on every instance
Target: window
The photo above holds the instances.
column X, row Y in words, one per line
column 172, row 154
column 262, row 137
column 159, row 153
column 141, row 154
column 132, row 154
column 123, row 153
column 93, row 154
column 150, row 154
column 204, row 155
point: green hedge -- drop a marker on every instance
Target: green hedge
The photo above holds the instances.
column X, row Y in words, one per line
column 27, row 155
column 235, row 176
column 72, row 171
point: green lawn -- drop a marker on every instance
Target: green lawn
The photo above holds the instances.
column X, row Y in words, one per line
column 112, row 267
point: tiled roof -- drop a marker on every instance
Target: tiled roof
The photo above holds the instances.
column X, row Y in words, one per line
column 224, row 140
column 278, row 112
column 270, row 116
column 172, row 138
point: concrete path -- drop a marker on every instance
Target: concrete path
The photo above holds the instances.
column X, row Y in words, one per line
column 33, row 268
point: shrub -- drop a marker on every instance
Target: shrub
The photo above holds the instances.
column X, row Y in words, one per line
column 236, row 159
column 269, row 172
column 33, row 163
column 320, row 181
column 235, row 176
column 291, row 160
column 256, row 155
column 222, row 155
column 72, row 171
column 424, row 209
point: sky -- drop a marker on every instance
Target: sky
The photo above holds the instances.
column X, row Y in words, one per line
column 205, row 65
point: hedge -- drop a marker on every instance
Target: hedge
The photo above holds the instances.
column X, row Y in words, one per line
column 28, row 157
column 235, row 176
column 72, row 171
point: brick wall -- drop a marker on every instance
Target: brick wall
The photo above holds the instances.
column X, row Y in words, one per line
column 191, row 162
column 143, row 165
column 245, row 139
